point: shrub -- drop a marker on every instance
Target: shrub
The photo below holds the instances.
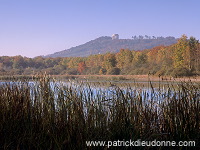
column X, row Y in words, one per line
column 180, row 72
column 114, row 71
column 72, row 72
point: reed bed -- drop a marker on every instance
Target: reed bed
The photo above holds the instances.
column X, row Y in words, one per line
column 47, row 114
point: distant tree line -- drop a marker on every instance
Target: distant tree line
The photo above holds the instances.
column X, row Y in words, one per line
column 150, row 37
column 180, row 59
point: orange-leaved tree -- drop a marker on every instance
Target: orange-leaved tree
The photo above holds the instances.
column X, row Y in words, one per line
column 81, row 67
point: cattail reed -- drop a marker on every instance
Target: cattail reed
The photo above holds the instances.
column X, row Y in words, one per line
column 43, row 113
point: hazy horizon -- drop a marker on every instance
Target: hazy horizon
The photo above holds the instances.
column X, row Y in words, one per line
column 33, row 28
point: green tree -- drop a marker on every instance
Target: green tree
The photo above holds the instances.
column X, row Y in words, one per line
column 109, row 61
column 18, row 62
column 192, row 54
column 124, row 58
column 39, row 62
column 179, row 52
column 142, row 59
column 113, row 71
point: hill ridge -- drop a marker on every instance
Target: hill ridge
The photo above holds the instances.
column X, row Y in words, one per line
column 106, row 44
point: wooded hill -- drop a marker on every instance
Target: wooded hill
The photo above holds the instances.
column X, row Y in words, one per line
column 180, row 59
column 105, row 44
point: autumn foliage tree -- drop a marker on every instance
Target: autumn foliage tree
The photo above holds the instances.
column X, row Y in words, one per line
column 124, row 57
column 81, row 67
column 180, row 59
column 109, row 61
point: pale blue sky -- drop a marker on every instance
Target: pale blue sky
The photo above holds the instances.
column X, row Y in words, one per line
column 39, row 27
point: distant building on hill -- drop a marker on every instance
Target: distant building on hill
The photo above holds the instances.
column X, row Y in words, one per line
column 115, row 36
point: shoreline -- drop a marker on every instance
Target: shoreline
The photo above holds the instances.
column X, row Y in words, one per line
column 133, row 77
column 140, row 78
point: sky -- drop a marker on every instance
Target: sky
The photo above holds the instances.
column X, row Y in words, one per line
column 39, row 27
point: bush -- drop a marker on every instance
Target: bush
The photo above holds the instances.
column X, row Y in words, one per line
column 161, row 72
column 114, row 71
column 180, row 72
column 72, row 72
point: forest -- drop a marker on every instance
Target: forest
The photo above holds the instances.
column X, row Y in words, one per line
column 179, row 59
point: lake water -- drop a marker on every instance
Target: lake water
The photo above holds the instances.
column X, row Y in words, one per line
column 105, row 90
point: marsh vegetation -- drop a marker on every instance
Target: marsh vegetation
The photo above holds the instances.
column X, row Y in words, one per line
column 46, row 114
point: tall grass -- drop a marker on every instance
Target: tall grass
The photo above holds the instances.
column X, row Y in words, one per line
column 46, row 114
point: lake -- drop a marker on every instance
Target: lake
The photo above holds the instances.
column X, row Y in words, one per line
column 101, row 90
